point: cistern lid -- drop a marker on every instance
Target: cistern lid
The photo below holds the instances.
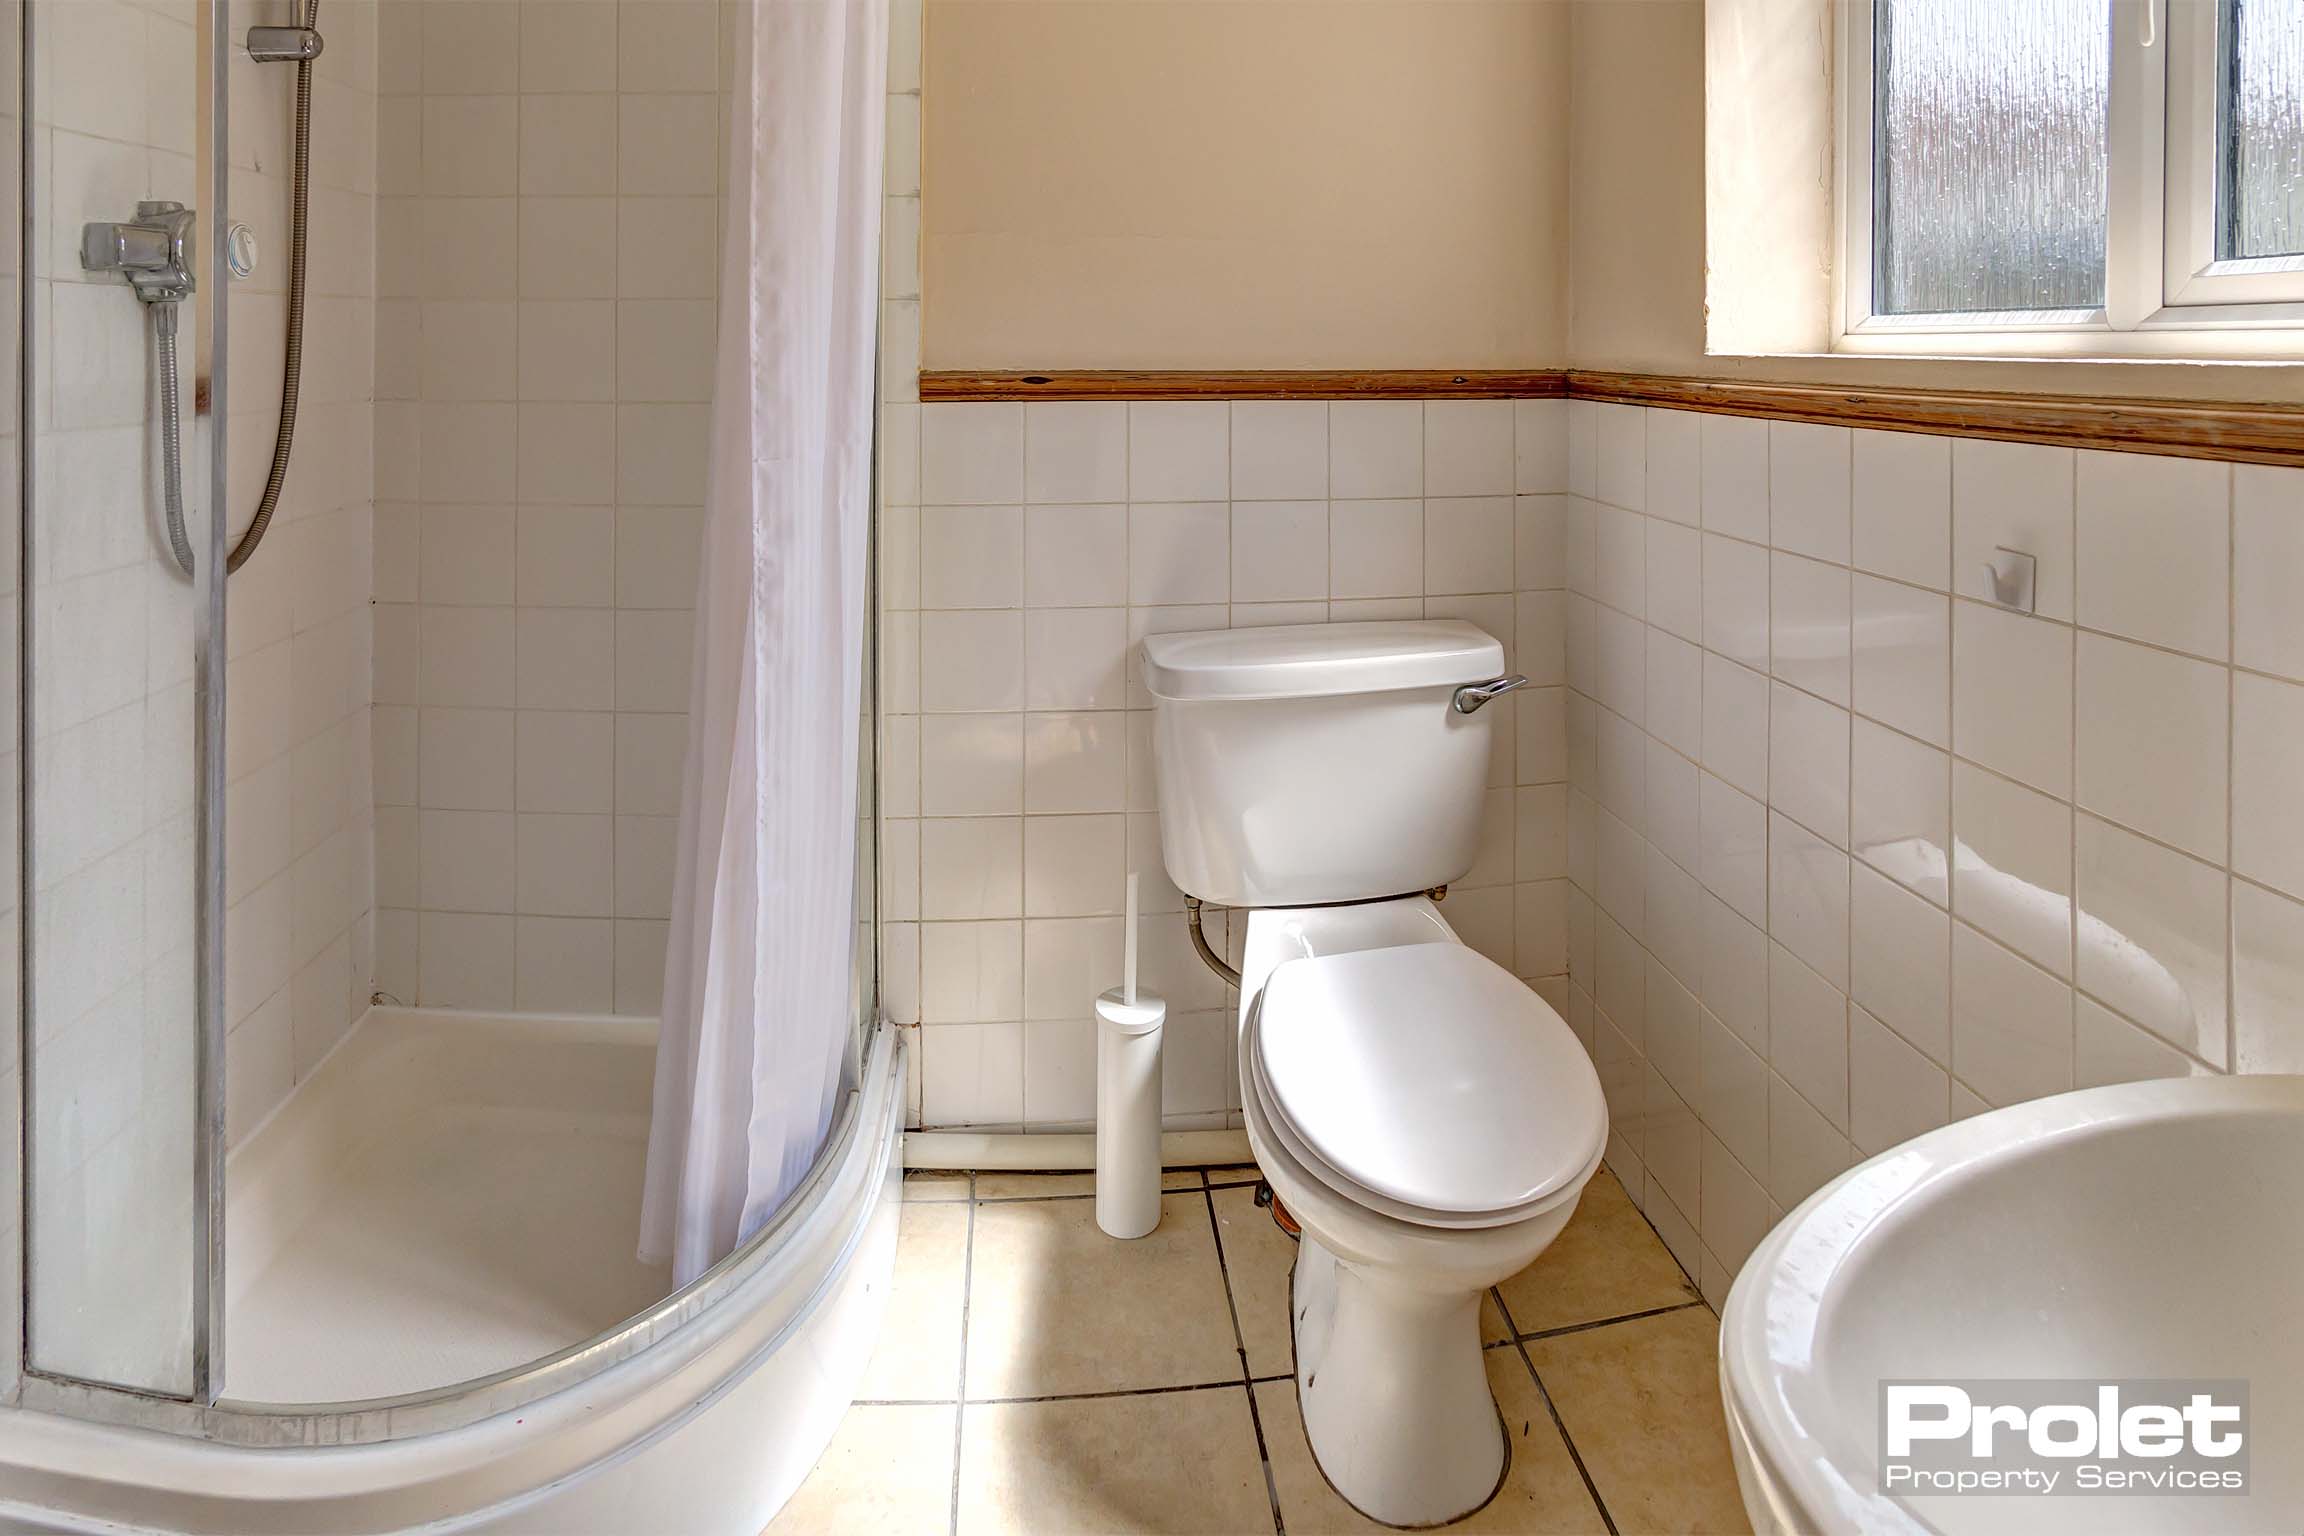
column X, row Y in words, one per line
column 1431, row 1076
column 1308, row 660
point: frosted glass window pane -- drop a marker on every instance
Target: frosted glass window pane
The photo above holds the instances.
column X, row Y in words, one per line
column 2263, row 194
column 1989, row 154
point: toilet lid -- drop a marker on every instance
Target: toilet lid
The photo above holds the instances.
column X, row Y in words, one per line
column 1429, row 1076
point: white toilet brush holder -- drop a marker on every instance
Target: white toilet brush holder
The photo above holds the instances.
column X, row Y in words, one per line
column 1128, row 1111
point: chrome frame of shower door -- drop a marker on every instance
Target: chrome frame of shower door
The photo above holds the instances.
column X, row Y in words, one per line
column 106, row 1401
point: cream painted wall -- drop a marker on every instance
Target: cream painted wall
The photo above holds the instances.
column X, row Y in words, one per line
column 1253, row 184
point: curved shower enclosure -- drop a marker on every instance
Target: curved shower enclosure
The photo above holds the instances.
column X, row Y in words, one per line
column 339, row 912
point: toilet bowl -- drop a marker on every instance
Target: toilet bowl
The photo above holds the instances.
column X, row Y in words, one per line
column 1427, row 1119
column 1420, row 1177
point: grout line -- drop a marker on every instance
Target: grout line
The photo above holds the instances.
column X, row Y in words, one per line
column 960, row 1410
column 1090, row 1397
column 1247, row 1376
column 1609, row 1322
column 1552, row 1408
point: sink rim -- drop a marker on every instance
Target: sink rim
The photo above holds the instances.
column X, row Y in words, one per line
column 1781, row 1292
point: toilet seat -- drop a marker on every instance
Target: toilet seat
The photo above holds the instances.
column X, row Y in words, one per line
column 1426, row 1083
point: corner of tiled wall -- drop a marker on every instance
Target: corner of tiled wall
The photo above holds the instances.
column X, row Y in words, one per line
column 547, row 267
column 1857, row 851
column 1047, row 540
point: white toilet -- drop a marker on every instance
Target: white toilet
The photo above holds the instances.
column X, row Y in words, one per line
column 1427, row 1119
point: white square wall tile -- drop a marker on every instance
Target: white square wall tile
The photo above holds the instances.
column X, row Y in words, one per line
column 1676, row 466
column 1620, row 456
column 1279, row 450
column 1375, row 548
column 971, row 867
column 1900, row 961
column 1075, row 556
column 1902, row 666
column 1736, row 725
column 1735, row 476
column 2011, row 1022
column 1736, row 600
column 2155, row 559
column 1900, row 807
column 1808, row 898
column 1468, row 448
column 971, row 557
column 1074, row 866
column 2017, row 496
column 971, row 661
column 1177, row 552
column 1077, row 658
column 1467, row 544
column 2268, row 549
column 1894, row 1092
column 1808, row 762
column 2012, row 695
column 2152, row 935
column 2107, row 1048
column 1903, row 506
column 2267, row 790
column 1732, row 852
column 1075, row 451
column 1375, row 449
column 2012, row 875
column 1808, row 489
column 1675, row 695
column 2151, row 751
column 1280, row 551
column 1540, row 446
column 970, row 971
column 1179, row 450
column 971, row 453
column 1675, row 569
column 1808, row 638
column 1620, row 559
column 1808, row 1033
column 1540, row 542
column 1074, row 763
column 971, row 765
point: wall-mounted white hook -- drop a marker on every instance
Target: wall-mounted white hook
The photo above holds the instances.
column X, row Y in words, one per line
column 2011, row 579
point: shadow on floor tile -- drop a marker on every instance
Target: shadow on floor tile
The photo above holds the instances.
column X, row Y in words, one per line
column 1641, row 1400
column 1055, row 1306
column 887, row 1472
column 1607, row 1262
column 1155, row 1462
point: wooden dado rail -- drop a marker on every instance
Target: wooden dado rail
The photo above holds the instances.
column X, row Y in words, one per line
column 2255, row 434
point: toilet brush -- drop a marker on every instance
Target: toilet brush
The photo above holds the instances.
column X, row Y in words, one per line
column 1128, row 1031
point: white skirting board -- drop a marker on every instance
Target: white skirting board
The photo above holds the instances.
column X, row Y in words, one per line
column 986, row 1150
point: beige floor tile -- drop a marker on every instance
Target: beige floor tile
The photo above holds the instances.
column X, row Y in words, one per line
column 1607, row 1262
column 1019, row 1186
column 917, row 1356
column 1056, row 1306
column 1642, row 1402
column 1234, row 1173
column 932, row 1184
column 1258, row 1258
column 887, row 1472
column 1542, row 1493
column 1156, row 1462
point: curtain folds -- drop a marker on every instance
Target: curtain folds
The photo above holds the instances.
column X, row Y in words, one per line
column 757, row 969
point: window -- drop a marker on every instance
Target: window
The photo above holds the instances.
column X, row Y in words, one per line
column 2072, row 175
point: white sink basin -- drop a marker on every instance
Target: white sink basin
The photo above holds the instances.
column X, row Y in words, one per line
column 2145, row 1231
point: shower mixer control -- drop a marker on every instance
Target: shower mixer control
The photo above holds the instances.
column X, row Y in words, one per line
column 153, row 251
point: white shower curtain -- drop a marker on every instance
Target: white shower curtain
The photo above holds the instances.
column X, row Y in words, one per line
column 757, row 974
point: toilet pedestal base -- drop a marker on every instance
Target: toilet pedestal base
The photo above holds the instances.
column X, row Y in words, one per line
column 1394, row 1392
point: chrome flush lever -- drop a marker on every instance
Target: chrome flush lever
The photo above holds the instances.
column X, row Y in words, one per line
column 1472, row 695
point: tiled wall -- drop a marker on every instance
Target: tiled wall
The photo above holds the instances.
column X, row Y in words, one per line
column 1048, row 539
column 299, row 865
column 547, row 261
column 1857, row 852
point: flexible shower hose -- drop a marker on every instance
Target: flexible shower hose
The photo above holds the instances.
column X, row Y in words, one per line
column 292, row 370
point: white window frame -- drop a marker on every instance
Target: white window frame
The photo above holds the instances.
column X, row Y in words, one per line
column 2166, row 295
